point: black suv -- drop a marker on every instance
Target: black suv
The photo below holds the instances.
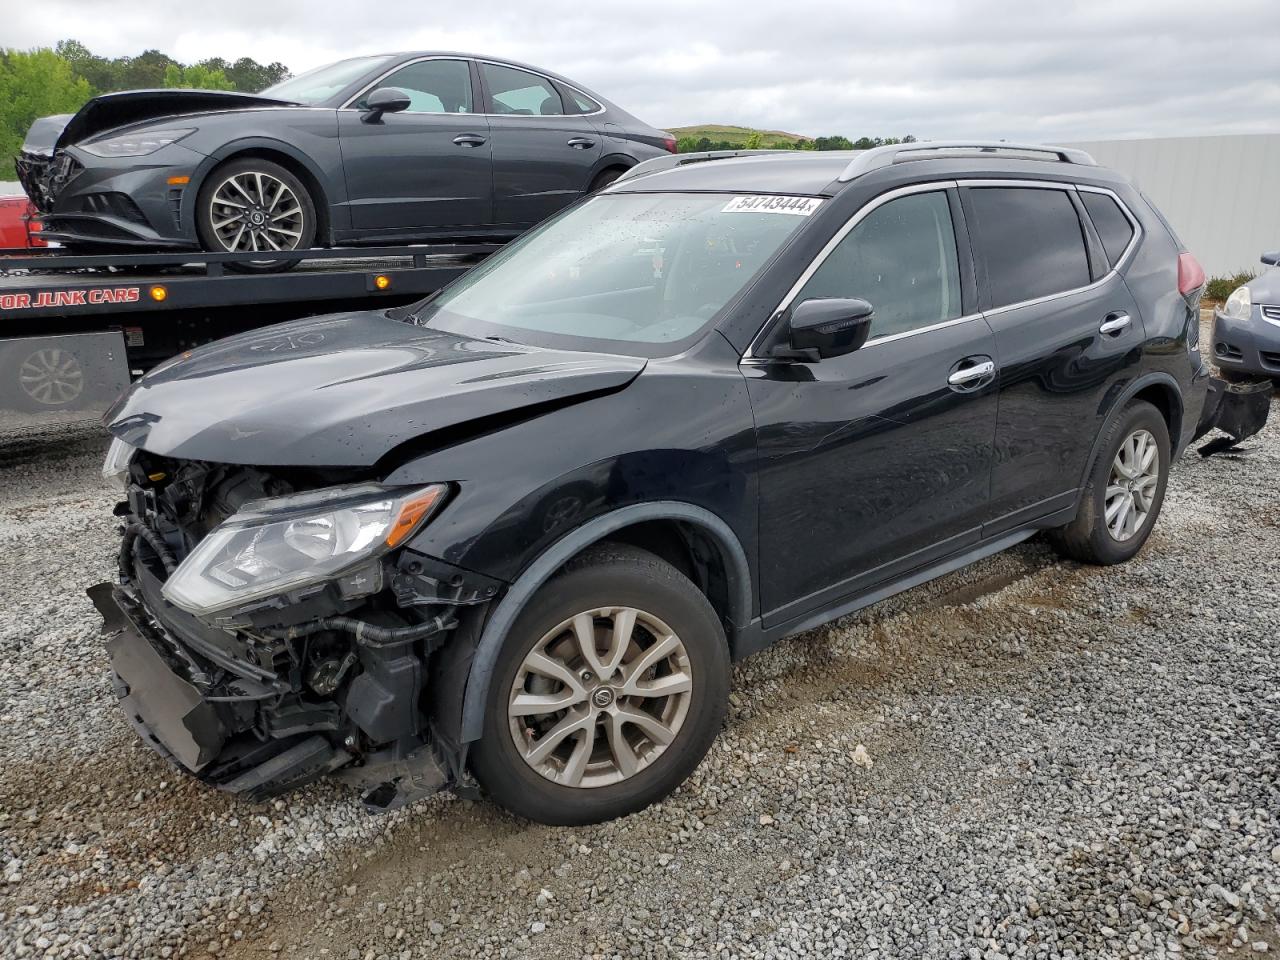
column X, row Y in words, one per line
column 516, row 533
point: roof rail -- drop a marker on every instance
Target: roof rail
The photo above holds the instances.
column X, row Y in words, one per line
column 673, row 160
column 877, row 157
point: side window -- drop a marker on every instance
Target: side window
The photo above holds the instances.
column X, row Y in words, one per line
column 901, row 258
column 581, row 103
column 1031, row 240
column 434, row 86
column 521, row 93
column 1109, row 220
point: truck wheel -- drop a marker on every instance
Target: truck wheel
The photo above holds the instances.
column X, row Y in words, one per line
column 46, row 378
column 611, row 686
column 250, row 205
column 1122, row 498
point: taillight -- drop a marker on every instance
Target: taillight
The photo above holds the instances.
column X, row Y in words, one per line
column 1190, row 274
column 669, row 143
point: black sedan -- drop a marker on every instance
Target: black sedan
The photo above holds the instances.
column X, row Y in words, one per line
column 412, row 146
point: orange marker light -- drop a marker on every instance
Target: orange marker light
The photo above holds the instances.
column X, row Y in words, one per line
column 411, row 514
column 382, row 281
column 158, row 293
column 178, row 181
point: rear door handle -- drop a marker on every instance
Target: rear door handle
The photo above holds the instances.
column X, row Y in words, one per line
column 978, row 368
column 470, row 140
column 1114, row 323
column 581, row 143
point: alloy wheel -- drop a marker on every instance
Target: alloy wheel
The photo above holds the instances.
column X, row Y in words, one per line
column 1131, row 487
column 51, row 377
column 253, row 211
column 600, row 697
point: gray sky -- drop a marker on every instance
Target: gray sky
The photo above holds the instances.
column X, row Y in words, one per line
column 933, row 68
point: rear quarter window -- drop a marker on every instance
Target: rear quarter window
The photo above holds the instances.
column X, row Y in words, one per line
column 1109, row 220
column 1031, row 240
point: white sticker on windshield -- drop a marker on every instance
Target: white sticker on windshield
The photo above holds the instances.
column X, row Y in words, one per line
column 796, row 206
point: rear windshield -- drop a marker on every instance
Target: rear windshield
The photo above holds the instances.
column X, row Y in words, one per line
column 318, row 85
column 640, row 273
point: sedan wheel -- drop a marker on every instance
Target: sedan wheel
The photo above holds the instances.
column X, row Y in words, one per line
column 600, row 697
column 254, row 211
column 255, row 206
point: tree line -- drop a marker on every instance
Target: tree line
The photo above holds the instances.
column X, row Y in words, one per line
column 37, row 83
column 754, row 141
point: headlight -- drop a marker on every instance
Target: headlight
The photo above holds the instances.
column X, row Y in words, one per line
column 272, row 546
column 134, row 144
column 1238, row 305
column 116, row 467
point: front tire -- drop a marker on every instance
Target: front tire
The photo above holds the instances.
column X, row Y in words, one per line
column 1125, row 490
column 250, row 205
column 611, row 686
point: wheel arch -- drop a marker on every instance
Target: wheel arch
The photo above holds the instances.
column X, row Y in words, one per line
column 661, row 527
column 1161, row 390
column 296, row 162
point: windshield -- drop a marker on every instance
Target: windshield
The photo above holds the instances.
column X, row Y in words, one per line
column 318, row 85
column 639, row 273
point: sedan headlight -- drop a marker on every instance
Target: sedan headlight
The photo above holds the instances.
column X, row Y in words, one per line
column 1238, row 305
column 135, row 144
column 115, row 469
column 272, row 546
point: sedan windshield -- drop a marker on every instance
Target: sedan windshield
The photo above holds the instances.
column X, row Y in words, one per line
column 318, row 85
column 638, row 273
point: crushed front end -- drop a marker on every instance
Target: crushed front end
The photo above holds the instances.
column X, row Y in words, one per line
column 269, row 628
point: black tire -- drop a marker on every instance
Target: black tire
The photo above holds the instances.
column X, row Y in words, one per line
column 609, row 576
column 205, row 214
column 604, row 178
column 1087, row 538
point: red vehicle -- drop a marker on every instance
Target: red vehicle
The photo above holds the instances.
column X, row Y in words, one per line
column 18, row 228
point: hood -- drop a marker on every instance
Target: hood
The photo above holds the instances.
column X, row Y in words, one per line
column 345, row 390
column 1265, row 287
column 113, row 110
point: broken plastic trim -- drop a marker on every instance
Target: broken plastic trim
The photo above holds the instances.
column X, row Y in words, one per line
column 1239, row 410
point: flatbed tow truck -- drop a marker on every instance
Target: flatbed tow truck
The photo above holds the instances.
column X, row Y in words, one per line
column 76, row 328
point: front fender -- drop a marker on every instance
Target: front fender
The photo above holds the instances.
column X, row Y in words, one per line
column 504, row 613
column 325, row 174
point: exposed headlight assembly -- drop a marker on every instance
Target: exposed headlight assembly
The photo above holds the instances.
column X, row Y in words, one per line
column 115, row 469
column 274, row 546
column 135, row 144
column 1238, row 305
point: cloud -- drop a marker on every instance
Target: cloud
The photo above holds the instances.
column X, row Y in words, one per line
column 932, row 68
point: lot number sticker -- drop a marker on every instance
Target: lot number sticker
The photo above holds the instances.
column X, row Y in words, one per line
column 796, row 206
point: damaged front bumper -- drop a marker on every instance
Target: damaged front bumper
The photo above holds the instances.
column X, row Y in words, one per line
column 128, row 201
column 1238, row 409
column 258, row 712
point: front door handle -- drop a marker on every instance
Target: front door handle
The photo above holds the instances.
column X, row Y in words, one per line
column 470, row 140
column 581, row 143
column 1114, row 323
column 977, row 369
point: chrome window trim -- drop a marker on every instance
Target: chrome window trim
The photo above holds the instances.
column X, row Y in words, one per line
column 1065, row 186
column 350, row 104
column 466, row 61
column 931, row 186
column 551, row 80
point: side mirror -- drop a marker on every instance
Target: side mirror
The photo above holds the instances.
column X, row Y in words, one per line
column 384, row 100
column 818, row 329
column 1271, row 259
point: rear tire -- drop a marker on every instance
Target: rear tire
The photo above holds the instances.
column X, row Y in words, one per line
column 251, row 204
column 603, row 179
column 1125, row 490
column 604, row 752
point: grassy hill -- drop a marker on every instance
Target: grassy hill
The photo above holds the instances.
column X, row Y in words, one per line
column 719, row 132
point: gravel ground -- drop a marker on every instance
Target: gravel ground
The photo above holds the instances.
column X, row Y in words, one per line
column 1028, row 758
